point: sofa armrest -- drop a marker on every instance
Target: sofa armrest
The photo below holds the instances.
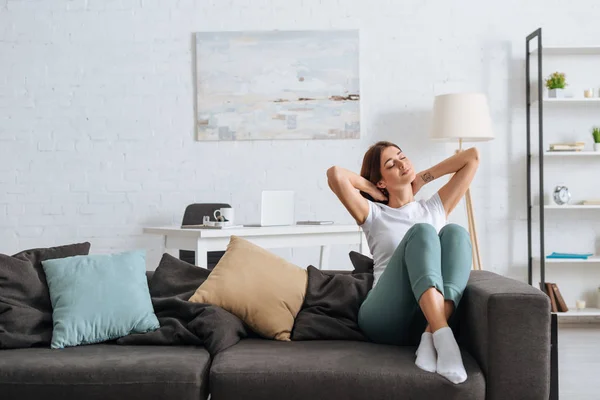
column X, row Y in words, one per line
column 505, row 326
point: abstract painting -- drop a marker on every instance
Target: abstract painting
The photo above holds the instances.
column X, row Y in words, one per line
column 277, row 85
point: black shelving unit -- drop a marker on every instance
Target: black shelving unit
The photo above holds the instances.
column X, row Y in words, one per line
column 537, row 36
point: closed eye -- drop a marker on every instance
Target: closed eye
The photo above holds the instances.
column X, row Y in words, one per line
column 392, row 164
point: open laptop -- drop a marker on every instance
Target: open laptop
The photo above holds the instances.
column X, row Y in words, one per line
column 276, row 208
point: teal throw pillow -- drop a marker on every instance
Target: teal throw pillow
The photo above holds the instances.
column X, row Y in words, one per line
column 100, row 297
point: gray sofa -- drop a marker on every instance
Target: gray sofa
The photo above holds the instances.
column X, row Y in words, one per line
column 503, row 328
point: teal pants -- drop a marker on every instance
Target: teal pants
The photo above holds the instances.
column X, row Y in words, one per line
column 391, row 314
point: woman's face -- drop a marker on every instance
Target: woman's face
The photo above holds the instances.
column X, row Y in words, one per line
column 396, row 169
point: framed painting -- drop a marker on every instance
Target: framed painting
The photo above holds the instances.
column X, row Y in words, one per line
column 270, row 85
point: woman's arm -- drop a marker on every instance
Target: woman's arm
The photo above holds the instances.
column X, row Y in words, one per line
column 346, row 186
column 463, row 165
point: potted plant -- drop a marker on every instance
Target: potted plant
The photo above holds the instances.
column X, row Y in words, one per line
column 596, row 136
column 556, row 84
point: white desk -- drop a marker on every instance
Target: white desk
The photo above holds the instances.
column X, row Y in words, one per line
column 204, row 240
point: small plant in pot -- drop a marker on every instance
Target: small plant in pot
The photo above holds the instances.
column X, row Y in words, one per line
column 556, row 84
column 596, row 136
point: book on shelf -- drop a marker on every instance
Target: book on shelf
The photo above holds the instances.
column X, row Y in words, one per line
column 550, row 293
column 557, row 303
column 591, row 202
column 561, row 305
column 577, row 146
column 582, row 256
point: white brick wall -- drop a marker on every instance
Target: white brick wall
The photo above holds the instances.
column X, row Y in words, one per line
column 96, row 115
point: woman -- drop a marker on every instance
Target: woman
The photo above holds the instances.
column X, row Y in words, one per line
column 421, row 263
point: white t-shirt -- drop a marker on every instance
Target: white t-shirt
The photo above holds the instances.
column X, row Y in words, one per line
column 386, row 226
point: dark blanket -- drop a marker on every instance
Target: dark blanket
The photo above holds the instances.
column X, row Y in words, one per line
column 330, row 309
column 182, row 322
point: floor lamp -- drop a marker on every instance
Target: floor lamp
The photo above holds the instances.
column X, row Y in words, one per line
column 463, row 117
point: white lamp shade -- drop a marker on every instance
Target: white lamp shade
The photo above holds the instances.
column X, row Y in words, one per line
column 463, row 116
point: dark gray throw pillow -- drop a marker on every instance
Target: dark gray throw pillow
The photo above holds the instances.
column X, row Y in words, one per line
column 183, row 322
column 174, row 277
column 361, row 263
column 25, row 307
column 331, row 304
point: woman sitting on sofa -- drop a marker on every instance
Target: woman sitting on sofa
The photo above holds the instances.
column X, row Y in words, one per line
column 421, row 263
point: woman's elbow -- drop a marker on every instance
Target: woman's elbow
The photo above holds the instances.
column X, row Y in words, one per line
column 474, row 154
column 333, row 173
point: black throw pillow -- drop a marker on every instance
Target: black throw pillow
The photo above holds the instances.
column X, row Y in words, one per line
column 176, row 278
column 183, row 322
column 331, row 304
column 25, row 307
column 362, row 264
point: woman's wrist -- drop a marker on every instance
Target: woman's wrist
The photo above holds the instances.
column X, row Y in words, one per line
column 423, row 178
column 426, row 177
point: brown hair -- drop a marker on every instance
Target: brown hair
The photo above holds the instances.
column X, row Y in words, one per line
column 371, row 167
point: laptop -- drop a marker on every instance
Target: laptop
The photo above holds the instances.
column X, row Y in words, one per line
column 276, row 208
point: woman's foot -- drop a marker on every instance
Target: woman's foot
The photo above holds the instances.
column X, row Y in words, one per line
column 426, row 354
column 449, row 361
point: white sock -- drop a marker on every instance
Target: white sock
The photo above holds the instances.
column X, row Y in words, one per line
column 426, row 355
column 449, row 360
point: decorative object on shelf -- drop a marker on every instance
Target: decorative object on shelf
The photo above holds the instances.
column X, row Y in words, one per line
column 575, row 146
column 598, row 298
column 588, row 93
column 255, row 85
column 561, row 195
column 463, row 117
column 556, row 84
column 580, row 305
column 596, row 136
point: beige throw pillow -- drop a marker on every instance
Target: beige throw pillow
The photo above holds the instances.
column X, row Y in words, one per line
column 263, row 290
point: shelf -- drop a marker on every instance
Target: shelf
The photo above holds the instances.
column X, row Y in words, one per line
column 570, row 154
column 590, row 260
column 571, row 207
column 572, row 100
column 568, row 50
column 574, row 313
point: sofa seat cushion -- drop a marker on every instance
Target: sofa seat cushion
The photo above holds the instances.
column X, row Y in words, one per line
column 262, row 369
column 105, row 371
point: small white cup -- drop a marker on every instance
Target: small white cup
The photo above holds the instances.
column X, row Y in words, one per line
column 580, row 304
column 224, row 215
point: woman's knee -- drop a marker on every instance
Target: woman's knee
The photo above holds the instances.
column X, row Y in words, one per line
column 454, row 231
column 423, row 230
column 423, row 237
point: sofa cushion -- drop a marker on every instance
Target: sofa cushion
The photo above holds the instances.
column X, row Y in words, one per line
column 25, row 308
column 261, row 369
column 105, row 371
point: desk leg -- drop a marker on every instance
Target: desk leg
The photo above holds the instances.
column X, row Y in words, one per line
column 324, row 257
column 201, row 254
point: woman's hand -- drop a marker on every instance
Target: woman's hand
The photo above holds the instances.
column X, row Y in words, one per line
column 377, row 194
